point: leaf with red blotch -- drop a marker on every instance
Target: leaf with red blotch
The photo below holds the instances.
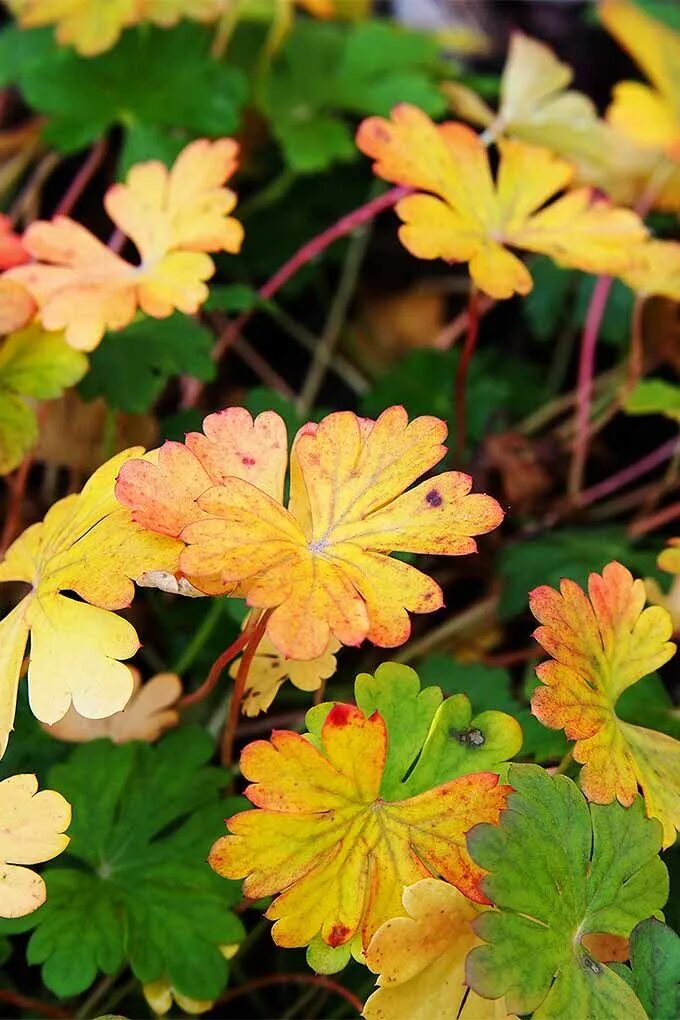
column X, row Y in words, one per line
column 174, row 217
column 601, row 644
column 323, row 565
column 335, row 851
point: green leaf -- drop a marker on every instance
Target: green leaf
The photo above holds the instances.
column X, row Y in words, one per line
column 33, row 363
column 142, row 142
column 232, row 297
column 134, row 885
column 488, row 688
column 654, row 396
column 325, row 959
column 546, row 306
column 648, row 703
column 324, row 72
column 130, row 368
column 175, row 84
column 565, row 552
column 560, row 869
column 430, row 740
column 498, row 389
column 654, row 974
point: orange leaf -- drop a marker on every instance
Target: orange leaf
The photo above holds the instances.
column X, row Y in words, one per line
column 338, row 855
column 601, row 645
column 173, row 216
column 466, row 217
column 322, row 565
column 17, row 306
column 12, row 251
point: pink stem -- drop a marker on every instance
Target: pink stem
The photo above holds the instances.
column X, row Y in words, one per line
column 81, row 180
column 310, row 250
column 586, row 367
column 630, row 473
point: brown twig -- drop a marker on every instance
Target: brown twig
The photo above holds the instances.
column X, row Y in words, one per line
column 255, row 630
column 320, row 980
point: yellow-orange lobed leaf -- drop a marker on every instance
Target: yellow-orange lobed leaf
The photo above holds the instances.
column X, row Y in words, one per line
column 420, row 959
column 461, row 215
column 650, row 116
column 174, row 217
column 87, row 544
column 322, row 565
column 32, row 831
column 601, row 644
column 334, row 853
column 17, row 306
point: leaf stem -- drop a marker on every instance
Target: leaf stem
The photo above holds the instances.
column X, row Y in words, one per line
column 210, row 682
column 656, row 520
column 586, row 368
column 630, row 473
column 309, row 251
column 33, row 1005
column 81, row 180
column 320, row 980
column 254, row 632
column 463, row 365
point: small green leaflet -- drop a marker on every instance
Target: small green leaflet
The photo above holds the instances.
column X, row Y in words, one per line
column 130, row 368
column 134, row 885
column 430, row 739
column 560, row 869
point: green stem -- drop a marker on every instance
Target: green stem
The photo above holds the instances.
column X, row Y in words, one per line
column 202, row 635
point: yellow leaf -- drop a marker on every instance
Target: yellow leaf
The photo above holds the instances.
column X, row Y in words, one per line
column 650, row 116
column 92, row 27
column 601, row 645
column 669, row 559
column 32, row 831
column 148, row 714
column 469, row 218
column 160, row 996
column 269, row 670
column 655, row 270
column 420, row 959
column 323, row 565
column 87, row 544
column 174, row 217
column 336, row 853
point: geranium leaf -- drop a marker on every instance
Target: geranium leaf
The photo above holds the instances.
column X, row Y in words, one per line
column 130, row 368
column 603, row 643
column 33, row 827
column 323, row 565
column 89, row 545
column 141, row 831
column 431, row 740
column 335, row 850
column 174, row 217
column 448, row 163
column 420, row 959
column 83, row 97
column 560, row 869
column 654, row 972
